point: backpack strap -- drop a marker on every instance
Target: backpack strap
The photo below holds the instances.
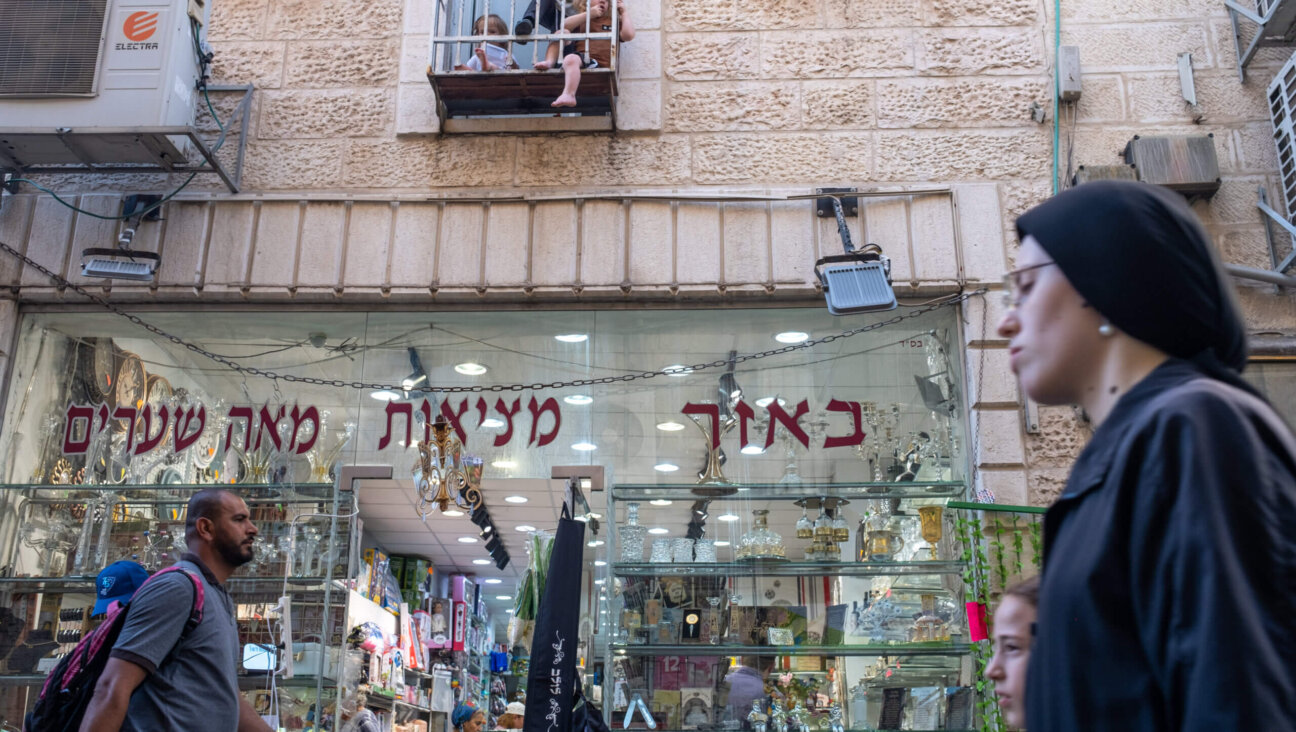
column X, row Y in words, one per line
column 196, row 612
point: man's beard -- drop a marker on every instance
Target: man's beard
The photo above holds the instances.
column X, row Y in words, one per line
column 234, row 553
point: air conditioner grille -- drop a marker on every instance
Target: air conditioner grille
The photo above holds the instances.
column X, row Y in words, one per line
column 1282, row 108
column 49, row 47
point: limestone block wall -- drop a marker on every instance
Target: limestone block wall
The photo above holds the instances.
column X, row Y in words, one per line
column 352, row 198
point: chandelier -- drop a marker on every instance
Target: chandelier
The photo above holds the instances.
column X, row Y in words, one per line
column 444, row 476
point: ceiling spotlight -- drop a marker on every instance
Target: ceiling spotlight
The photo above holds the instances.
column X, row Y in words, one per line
column 579, row 399
column 660, row 502
column 727, row 517
column 665, row 468
column 506, row 465
column 670, row 426
column 494, row 581
column 524, row 527
column 572, row 338
column 584, row 446
column 467, row 540
column 385, row 395
column 470, row 368
column 677, row 369
column 515, row 499
column 792, row 336
column 481, row 561
column 491, row 423
column 658, row 530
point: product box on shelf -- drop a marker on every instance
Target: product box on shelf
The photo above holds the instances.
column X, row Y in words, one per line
column 440, row 622
column 458, row 640
column 463, row 589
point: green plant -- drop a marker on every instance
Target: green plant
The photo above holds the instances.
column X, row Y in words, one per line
column 1037, row 542
column 1018, row 545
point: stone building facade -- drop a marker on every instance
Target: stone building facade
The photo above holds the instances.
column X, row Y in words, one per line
column 728, row 111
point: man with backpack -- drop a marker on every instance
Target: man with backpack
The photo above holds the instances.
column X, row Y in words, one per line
column 174, row 664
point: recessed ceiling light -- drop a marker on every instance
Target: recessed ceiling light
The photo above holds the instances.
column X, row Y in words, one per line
column 584, row 446
column 677, row 369
column 385, row 395
column 665, row 468
column 753, row 450
column 594, row 542
column 600, row 563
column 766, row 401
column 509, row 611
column 658, row 530
column 792, row 336
column 453, row 513
column 572, row 338
column 515, row 499
column 467, row 540
column 579, row 399
column 722, row 543
column 494, row 581
column 503, row 597
column 670, row 426
column 482, row 561
column 598, row 581
column 727, row 517
column 660, row 502
column 491, row 423
column 469, row 368
column 505, row 465
column 524, row 527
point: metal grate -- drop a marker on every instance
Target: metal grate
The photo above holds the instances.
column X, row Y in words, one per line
column 1282, row 106
column 49, row 47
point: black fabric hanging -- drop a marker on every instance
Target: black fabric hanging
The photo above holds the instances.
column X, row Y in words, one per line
column 551, row 680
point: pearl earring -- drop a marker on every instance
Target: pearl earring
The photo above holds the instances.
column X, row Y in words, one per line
column 1106, row 330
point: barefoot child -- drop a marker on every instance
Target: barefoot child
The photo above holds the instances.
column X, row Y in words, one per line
column 490, row 56
column 600, row 51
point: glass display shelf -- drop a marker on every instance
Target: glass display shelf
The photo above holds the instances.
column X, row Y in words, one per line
column 777, row 568
column 22, row 679
column 932, row 648
column 775, row 491
column 254, row 682
column 279, row 492
column 84, row 584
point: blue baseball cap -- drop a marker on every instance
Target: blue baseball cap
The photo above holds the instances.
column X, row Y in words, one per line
column 117, row 583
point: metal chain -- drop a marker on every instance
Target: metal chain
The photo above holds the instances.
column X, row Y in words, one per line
column 537, row 386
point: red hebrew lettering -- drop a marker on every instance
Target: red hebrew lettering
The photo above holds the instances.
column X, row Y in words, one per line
column 269, row 424
column 857, row 434
column 104, row 415
column 127, row 413
column 482, row 406
column 150, row 441
column 244, row 413
column 183, row 437
column 711, row 410
column 745, row 414
column 394, row 408
column 537, row 411
column 300, row 417
column 503, row 438
column 777, row 414
column 453, row 418
column 73, row 446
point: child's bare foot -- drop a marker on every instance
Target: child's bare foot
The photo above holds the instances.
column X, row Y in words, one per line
column 481, row 59
column 544, row 65
column 564, row 100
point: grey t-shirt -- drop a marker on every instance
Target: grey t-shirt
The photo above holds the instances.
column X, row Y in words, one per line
column 193, row 685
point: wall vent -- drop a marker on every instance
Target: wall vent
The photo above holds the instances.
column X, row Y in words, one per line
column 50, row 47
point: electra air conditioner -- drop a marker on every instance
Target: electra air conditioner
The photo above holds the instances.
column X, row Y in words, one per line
column 86, row 65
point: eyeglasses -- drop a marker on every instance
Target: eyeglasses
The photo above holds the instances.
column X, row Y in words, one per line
column 1013, row 295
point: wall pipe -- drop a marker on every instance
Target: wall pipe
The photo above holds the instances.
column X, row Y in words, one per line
column 1260, row 275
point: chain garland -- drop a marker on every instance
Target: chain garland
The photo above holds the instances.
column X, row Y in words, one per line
column 537, row 386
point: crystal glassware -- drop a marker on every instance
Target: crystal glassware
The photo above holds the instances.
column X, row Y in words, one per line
column 760, row 542
column 661, row 551
column 929, row 626
column 713, row 620
column 822, row 525
column 840, row 531
column 804, row 527
column 704, row 551
column 930, row 519
column 632, row 535
column 682, row 550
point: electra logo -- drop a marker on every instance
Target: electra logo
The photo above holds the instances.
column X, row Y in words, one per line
column 140, row 26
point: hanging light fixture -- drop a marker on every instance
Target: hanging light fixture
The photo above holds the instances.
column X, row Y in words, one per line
column 449, row 481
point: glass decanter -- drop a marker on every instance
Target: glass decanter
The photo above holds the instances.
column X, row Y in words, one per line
column 760, row 542
column 632, row 535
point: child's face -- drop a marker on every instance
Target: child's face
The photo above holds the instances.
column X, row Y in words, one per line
column 1012, row 631
column 598, row 8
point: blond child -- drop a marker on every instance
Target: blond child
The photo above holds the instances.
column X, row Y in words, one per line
column 600, row 51
column 489, row 56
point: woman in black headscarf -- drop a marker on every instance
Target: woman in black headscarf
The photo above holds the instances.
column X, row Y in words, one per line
column 1168, row 599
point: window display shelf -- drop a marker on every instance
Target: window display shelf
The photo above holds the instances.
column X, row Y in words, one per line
column 932, row 648
column 251, row 492
column 84, row 584
column 781, row 491
column 21, row 679
column 777, row 568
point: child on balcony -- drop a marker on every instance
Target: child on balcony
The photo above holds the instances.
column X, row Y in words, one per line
column 490, row 56
column 600, row 51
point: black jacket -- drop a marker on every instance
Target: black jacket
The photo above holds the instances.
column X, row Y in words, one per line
column 1169, row 591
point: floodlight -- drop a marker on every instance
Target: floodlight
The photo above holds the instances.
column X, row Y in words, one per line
column 858, row 281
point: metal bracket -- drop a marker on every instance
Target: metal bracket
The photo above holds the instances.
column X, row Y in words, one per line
column 849, row 204
column 1262, row 203
column 1244, row 57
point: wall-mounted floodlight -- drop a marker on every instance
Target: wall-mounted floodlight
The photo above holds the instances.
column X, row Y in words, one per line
column 123, row 263
column 858, row 281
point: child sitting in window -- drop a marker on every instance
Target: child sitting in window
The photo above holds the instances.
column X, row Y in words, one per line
column 600, row 51
column 490, row 56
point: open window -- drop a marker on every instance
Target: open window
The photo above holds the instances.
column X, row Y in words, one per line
column 484, row 72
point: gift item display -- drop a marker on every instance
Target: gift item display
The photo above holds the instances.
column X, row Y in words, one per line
column 873, row 637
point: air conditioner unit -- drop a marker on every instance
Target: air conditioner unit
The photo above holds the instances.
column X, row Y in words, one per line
column 98, row 64
column 1280, row 25
column 1282, row 110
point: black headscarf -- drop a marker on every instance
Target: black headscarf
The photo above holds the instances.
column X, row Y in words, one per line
column 1138, row 254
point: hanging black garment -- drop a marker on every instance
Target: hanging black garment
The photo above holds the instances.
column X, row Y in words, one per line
column 551, row 680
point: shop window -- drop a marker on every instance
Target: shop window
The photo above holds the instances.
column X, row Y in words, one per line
column 1276, row 379
column 485, row 74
